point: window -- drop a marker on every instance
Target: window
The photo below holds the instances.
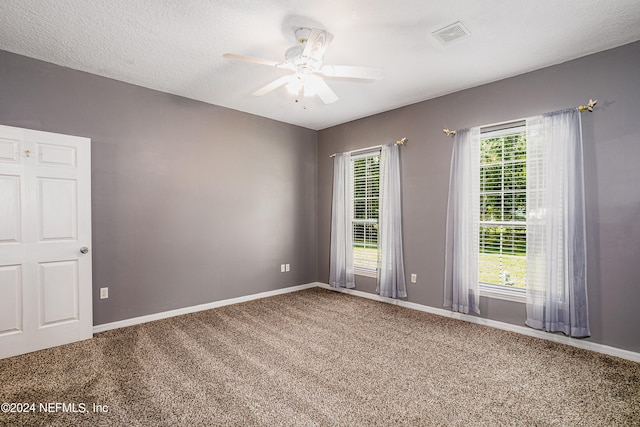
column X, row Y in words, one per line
column 366, row 190
column 503, row 203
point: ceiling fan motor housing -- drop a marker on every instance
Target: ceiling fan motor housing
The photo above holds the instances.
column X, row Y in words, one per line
column 302, row 63
column 295, row 56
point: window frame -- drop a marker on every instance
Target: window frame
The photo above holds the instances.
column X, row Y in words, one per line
column 361, row 270
column 491, row 290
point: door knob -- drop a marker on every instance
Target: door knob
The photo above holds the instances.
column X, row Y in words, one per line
column 84, row 250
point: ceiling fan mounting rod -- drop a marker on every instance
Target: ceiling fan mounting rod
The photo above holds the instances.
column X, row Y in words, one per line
column 302, row 34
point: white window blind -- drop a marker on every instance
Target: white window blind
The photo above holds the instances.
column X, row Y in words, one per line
column 366, row 191
column 503, row 203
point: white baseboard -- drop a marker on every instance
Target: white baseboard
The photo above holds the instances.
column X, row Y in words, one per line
column 587, row 345
column 196, row 308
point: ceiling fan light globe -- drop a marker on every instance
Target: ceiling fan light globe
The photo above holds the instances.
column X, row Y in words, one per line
column 312, row 85
column 292, row 89
column 295, row 85
column 310, row 90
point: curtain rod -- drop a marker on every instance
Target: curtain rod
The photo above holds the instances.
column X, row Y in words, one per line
column 402, row 141
column 582, row 108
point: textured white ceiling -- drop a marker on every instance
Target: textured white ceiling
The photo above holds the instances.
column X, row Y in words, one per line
column 177, row 46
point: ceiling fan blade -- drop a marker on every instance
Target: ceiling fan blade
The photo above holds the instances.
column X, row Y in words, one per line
column 351, row 72
column 325, row 93
column 317, row 44
column 257, row 60
column 272, row 86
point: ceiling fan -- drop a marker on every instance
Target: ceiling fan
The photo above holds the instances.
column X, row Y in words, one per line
column 304, row 61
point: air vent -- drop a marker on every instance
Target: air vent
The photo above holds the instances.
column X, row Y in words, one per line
column 451, row 33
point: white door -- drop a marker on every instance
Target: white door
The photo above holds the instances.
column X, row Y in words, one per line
column 45, row 228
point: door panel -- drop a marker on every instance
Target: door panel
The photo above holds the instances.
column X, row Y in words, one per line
column 58, row 294
column 56, row 155
column 9, row 149
column 58, row 208
column 10, row 204
column 10, row 299
column 45, row 219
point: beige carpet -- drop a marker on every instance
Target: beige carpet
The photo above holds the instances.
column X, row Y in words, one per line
column 317, row 357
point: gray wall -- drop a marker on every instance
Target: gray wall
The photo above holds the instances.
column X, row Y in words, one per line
column 192, row 203
column 612, row 166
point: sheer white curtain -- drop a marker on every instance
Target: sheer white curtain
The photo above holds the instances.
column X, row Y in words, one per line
column 463, row 219
column 341, row 261
column 391, row 280
column 556, row 243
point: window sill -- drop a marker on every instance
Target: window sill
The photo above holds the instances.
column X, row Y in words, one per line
column 366, row 273
column 500, row 292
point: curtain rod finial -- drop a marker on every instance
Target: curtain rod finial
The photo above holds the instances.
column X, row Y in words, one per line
column 449, row 132
column 589, row 107
column 401, row 141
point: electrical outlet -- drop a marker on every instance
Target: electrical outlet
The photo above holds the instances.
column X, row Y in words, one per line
column 288, row 267
column 104, row 293
column 282, row 268
column 414, row 278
